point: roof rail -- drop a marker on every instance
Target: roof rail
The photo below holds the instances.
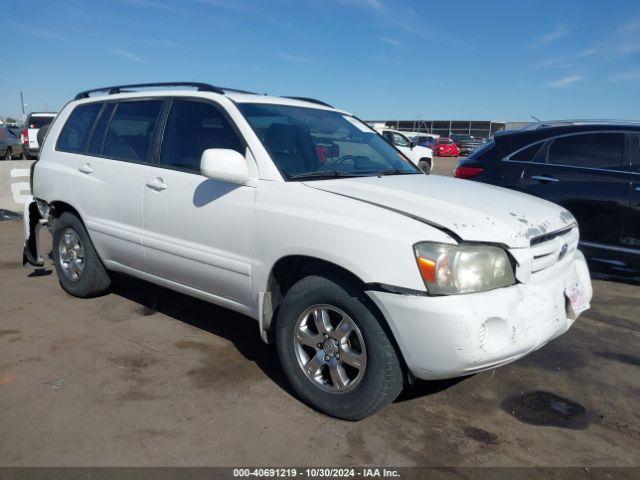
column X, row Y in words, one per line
column 559, row 123
column 201, row 87
column 311, row 100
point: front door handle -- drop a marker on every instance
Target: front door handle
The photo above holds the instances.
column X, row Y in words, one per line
column 156, row 184
column 544, row 178
column 85, row 168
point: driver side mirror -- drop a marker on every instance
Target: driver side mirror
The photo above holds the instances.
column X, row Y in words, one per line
column 412, row 144
column 224, row 164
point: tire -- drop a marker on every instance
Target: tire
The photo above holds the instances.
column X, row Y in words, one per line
column 26, row 156
column 367, row 389
column 72, row 247
column 425, row 165
column 7, row 154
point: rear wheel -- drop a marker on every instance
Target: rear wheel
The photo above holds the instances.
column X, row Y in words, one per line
column 334, row 351
column 7, row 154
column 79, row 268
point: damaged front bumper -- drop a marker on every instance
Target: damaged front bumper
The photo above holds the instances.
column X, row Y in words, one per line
column 451, row 336
column 36, row 214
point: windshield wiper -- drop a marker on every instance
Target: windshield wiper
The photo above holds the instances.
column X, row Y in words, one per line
column 323, row 174
column 395, row 171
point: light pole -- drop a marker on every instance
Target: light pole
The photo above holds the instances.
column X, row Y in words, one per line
column 22, row 105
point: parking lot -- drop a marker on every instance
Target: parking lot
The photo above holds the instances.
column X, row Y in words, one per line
column 145, row 376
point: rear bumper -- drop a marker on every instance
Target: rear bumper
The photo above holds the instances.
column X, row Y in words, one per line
column 34, row 152
column 451, row 336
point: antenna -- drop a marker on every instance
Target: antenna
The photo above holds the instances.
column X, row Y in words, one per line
column 536, row 118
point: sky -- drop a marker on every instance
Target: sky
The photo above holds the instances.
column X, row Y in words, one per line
column 379, row 59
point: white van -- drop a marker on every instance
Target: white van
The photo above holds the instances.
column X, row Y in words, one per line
column 361, row 269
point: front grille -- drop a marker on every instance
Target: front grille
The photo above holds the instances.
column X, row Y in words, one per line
column 550, row 249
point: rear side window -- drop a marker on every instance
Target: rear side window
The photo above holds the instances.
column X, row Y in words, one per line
column 97, row 139
column 527, row 154
column 131, row 130
column 75, row 132
column 193, row 127
column 592, row 150
column 476, row 154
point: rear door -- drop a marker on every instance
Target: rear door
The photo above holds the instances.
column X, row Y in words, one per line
column 510, row 171
column 588, row 174
column 110, row 179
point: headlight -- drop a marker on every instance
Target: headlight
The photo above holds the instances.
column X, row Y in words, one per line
column 452, row 269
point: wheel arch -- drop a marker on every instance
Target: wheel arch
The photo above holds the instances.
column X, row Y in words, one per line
column 58, row 207
column 287, row 270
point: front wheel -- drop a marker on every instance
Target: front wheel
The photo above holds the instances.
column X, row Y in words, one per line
column 334, row 351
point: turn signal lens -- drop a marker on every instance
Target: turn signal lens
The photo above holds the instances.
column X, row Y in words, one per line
column 427, row 269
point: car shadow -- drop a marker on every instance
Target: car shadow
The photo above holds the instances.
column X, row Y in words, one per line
column 424, row 388
column 239, row 329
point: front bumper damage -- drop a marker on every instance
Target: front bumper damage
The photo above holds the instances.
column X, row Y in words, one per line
column 457, row 335
column 36, row 215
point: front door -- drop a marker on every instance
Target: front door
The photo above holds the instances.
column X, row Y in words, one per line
column 198, row 231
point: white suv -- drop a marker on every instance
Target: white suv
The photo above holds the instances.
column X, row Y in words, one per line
column 364, row 271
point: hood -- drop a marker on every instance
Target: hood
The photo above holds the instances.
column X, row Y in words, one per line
column 471, row 211
column 416, row 153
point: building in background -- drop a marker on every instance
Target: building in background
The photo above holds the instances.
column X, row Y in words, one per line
column 444, row 128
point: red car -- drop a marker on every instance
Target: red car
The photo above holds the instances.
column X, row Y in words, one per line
column 445, row 147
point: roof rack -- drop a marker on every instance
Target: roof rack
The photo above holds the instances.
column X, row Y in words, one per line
column 201, row 87
column 311, row 100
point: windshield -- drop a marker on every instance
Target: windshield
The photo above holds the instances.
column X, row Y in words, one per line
column 312, row 143
column 445, row 140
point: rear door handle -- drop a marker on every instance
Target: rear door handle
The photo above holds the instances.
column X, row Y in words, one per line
column 156, row 184
column 544, row 178
column 85, row 168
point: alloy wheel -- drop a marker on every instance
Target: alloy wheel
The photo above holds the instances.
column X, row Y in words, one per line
column 330, row 348
column 71, row 254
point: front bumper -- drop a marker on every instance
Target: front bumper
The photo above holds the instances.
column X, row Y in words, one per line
column 452, row 336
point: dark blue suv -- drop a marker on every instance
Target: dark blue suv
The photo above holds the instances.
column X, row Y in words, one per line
column 590, row 168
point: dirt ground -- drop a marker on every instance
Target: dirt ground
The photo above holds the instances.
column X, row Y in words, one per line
column 148, row 377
